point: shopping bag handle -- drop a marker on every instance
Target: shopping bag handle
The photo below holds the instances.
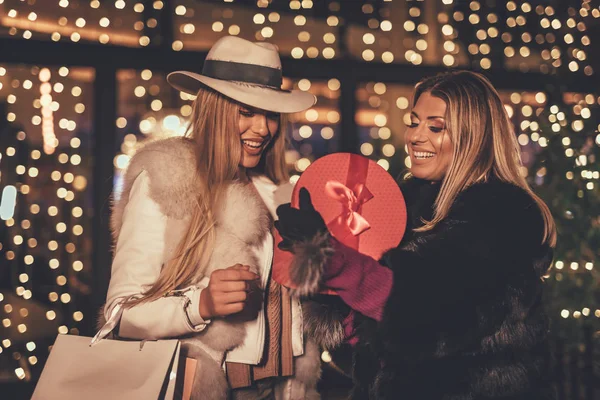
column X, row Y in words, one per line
column 111, row 323
column 117, row 312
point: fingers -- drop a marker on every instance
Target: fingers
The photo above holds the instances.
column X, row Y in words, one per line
column 240, row 275
column 289, row 223
column 284, row 232
column 286, row 211
column 231, row 286
column 305, row 201
column 234, row 297
column 285, row 245
column 222, row 299
column 277, row 225
column 234, row 273
column 232, row 308
column 283, row 208
column 229, row 290
column 286, row 215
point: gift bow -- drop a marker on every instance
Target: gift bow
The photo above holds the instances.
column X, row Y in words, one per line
column 352, row 200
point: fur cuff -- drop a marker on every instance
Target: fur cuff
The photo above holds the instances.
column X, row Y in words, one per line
column 308, row 266
column 323, row 322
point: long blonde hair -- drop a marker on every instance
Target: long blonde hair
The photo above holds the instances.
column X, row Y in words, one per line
column 483, row 141
column 214, row 129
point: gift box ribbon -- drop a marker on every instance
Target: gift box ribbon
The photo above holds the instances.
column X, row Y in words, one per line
column 349, row 224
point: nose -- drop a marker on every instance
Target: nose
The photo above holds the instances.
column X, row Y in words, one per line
column 417, row 134
column 259, row 124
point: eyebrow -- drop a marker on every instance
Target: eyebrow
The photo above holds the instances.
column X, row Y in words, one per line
column 430, row 117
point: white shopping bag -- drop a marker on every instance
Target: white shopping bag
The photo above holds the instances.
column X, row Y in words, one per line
column 99, row 369
column 111, row 369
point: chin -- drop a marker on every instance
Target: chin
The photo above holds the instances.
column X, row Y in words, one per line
column 249, row 164
column 419, row 173
column 425, row 175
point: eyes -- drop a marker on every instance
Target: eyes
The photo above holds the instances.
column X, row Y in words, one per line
column 432, row 128
column 250, row 113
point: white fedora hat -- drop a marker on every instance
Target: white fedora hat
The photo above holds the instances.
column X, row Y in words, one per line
column 247, row 72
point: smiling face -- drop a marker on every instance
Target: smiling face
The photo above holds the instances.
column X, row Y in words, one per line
column 428, row 140
column 257, row 130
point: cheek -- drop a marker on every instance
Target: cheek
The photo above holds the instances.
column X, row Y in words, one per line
column 244, row 124
column 273, row 126
column 442, row 144
column 446, row 148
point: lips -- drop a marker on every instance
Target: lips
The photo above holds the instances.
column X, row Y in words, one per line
column 253, row 146
column 422, row 155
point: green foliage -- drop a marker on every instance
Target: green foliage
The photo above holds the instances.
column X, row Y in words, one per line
column 565, row 174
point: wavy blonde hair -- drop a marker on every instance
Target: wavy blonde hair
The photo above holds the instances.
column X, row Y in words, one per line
column 215, row 130
column 484, row 144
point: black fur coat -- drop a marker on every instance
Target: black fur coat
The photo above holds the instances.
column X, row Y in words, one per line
column 464, row 320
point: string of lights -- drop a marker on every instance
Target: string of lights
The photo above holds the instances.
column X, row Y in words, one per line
column 44, row 172
column 396, row 32
column 46, row 152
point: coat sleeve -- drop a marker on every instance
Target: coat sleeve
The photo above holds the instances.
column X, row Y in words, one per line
column 137, row 265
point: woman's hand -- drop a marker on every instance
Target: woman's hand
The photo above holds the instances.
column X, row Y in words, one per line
column 227, row 291
column 298, row 225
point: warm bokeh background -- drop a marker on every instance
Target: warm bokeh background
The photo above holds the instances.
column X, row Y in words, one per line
column 82, row 86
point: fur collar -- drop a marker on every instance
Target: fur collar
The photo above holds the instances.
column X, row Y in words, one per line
column 492, row 200
column 171, row 166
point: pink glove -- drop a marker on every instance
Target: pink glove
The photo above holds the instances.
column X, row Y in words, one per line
column 360, row 281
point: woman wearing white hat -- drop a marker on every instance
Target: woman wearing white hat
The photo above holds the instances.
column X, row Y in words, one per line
column 193, row 239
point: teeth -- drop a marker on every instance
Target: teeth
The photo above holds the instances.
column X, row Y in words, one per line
column 423, row 154
column 253, row 144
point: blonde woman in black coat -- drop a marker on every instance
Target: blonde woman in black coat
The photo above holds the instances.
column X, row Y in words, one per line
column 455, row 311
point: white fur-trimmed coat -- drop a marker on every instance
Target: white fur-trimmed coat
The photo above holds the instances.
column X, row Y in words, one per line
column 165, row 170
